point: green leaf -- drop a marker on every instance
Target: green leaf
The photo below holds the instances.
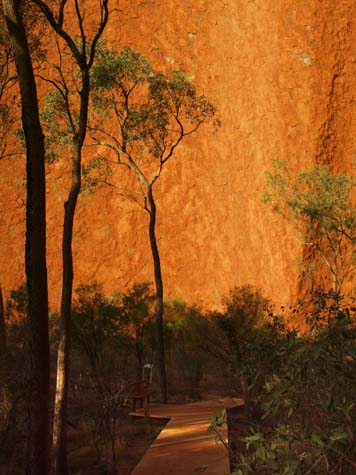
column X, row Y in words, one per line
column 352, row 352
column 254, row 438
column 201, row 468
column 261, row 454
column 317, row 351
column 317, row 439
column 338, row 434
column 270, row 454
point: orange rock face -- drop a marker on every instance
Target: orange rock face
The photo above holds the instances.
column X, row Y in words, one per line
column 282, row 74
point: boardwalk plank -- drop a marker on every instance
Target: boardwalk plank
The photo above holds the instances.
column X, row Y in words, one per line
column 185, row 443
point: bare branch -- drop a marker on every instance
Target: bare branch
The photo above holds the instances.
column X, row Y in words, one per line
column 80, row 19
column 61, row 12
column 104, row 12
column 117, row 145
column 58, row 27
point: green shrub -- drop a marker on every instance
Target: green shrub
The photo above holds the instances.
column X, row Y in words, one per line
column 307, row 407
column 185, row 328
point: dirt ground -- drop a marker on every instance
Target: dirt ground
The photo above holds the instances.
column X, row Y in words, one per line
column 135, row 436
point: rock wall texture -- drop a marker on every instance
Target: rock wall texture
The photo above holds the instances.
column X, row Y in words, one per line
column 283, row 76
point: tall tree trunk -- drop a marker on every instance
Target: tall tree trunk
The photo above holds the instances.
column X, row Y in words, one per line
column 241, row 379
column 35, row 248
column 60, row 460
column 160, row 357
column 139, row 352
column 2, row 326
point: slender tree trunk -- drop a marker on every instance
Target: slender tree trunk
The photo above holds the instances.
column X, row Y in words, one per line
column 160, row 357
column 60, row 461
column 35, row 247
column 2, row 326
column 240, row 377
column 139, row 354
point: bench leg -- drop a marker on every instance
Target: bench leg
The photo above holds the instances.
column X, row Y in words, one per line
column 147, row 402
column 144, row 403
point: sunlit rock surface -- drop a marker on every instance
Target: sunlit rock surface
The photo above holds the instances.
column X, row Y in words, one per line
column 282, row 74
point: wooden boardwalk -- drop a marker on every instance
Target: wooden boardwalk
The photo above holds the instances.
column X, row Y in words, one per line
column 185, row 443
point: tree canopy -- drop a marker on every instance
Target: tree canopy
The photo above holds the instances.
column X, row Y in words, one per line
column 148, row 112
column 322, row 206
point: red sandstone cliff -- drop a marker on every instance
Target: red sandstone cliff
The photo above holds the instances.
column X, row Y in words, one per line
column 283, row 76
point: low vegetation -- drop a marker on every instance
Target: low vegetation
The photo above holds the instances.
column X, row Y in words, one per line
column 303, row 414
column 299, row 415
column 112, row 338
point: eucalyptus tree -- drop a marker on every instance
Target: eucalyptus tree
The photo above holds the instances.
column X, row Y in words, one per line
column 11, row 140
column 136, row 312
column 148, row 114
column 322, row 206
column 35, row 246
column 76, row 54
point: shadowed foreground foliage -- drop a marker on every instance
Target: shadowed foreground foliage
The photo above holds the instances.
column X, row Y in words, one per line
column 304, row 418
column 300, row 416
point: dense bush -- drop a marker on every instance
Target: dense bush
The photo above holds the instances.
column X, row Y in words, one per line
column 102, row 364
column 245, row 336
column 14, row 383
column 298, row 388
column 306, row 418
column 187, row 360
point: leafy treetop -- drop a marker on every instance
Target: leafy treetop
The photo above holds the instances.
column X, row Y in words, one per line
column 148, row 113
column 322, row 205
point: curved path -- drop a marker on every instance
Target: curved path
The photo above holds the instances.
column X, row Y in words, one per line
column 185, row 444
